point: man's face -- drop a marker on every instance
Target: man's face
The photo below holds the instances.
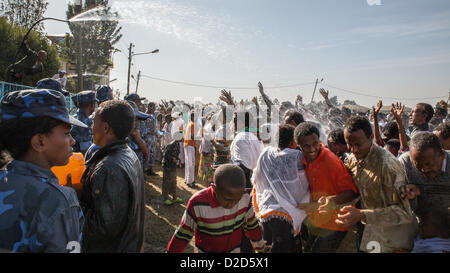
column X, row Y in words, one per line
column 310, row 146
column 445, row 142
column 428, row 162
column 228, row 197
column 58, row 145
column 151, row 108
column 337, row 148
column 61, row 75
column 417, row 115
column 99, row 130
column 358, row 143
column 42, row 56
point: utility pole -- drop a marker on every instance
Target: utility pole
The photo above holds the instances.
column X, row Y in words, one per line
column 130, row 56
column 317, row 81
column 138, row 77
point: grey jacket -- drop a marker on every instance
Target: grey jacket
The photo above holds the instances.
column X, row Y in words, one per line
column 113, row 201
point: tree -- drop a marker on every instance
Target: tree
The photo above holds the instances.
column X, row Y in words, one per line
column 92, row 42
column 10, row 39
column 24, row 12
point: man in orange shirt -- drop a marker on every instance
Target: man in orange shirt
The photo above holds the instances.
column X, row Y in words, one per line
column 330, row 185
column 189, row 153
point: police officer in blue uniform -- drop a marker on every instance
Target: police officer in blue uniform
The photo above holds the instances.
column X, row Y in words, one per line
column 103, row 93
column 136, row 142
column 85, row 101
column 36, row 213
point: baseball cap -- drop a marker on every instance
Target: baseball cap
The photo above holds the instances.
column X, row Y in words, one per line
column 62, row 71
column 49, row 83
column 36, row 103
column 138, row 113
column 84, row 97
column 103, row 93
column 133, row 97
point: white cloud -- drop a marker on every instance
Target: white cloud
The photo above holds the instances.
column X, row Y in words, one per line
column 211, row 33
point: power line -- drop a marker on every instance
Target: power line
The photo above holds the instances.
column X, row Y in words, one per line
column 379, row 97
column 225, row 87
column 288, row 86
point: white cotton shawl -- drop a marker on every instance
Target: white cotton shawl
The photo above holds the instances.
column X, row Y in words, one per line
column 246, row 148
column 280, row 184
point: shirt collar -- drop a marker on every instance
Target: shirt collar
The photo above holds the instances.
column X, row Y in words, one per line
column 30, row 169
column 212, row 198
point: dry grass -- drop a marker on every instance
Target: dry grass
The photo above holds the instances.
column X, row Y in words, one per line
column 162, row 220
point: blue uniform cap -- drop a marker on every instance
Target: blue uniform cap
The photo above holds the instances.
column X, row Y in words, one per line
column 133, row 97
column 84, row 97
column 103, row 93
column 138, row 113
column 51, row 84
column 36, row 103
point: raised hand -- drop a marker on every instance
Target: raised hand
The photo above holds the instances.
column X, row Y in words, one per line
column 409, row 191
column 226, row 97
column 264, row 96
column 375, row 111
column 255, row 100
column 397, row 111
column 324, row 93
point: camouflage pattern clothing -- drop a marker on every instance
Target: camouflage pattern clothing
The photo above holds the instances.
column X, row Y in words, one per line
column 389, row 219
column 149, row 131
column 36, row 213
column 170, row 156
column 135, row 147
column 82, row 136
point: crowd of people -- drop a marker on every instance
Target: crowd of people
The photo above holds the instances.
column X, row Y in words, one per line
column 289, row 177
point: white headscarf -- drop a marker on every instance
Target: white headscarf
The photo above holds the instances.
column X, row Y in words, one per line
column 280, row 185
column 246, row 148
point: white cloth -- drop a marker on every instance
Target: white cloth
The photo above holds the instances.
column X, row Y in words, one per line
column 181, row 155
column 280, row 185
column 189, row 167
column 246, row 148
column 167, row 139
column 62, row 80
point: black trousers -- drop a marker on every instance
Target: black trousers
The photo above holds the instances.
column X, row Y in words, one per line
column 278, row 233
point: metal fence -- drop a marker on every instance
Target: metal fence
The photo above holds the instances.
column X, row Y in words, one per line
column 6, row 87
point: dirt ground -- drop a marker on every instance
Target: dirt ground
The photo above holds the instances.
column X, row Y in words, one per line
column 162, row 220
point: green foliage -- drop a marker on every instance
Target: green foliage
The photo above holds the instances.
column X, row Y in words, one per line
column 10, row 40
column 24, row 12
column 97, row 39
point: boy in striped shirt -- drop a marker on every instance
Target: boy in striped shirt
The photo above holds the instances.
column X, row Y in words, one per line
column 218, row 215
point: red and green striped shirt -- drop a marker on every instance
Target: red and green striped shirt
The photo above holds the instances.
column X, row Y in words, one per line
column 216, row 229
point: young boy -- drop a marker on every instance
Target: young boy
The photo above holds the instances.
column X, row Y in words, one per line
column 218, row 215
column 36, row 213
column 169, row 164
column 331, row 186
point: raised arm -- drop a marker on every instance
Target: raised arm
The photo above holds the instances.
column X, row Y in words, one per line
column 325, row 96
column 376, row 127
column 397, row 112
column 226, row 97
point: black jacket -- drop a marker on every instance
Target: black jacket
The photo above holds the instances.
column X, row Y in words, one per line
column 113, row 201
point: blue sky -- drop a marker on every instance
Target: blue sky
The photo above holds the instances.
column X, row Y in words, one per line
column 398, row 49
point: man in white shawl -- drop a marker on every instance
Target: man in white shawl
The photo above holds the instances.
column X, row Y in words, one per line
column 246, row 149
column 279, row 186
